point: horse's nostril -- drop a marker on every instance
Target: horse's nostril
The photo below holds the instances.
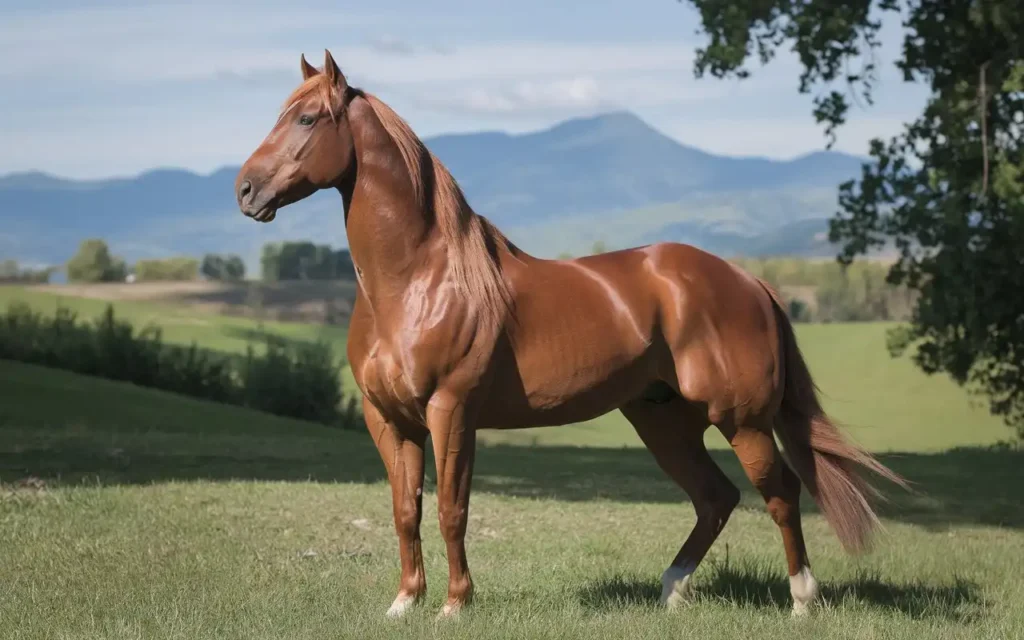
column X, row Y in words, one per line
column 244, row 190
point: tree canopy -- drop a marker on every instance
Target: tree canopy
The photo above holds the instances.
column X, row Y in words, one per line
column 230, row 268
column 305, row 261
column 93, row 263
column 947, row 193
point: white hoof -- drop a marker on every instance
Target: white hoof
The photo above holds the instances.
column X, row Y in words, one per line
column 676, row 588
column 449, row 611
column 804, row 589
column 401, row 606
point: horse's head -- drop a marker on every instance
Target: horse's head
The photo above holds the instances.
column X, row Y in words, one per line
column 310, row 147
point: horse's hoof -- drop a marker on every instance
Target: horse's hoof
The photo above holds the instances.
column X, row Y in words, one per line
column 449, row 610
column 804, row 590
column 801, row 610
column 401, row 606
column 676, row 587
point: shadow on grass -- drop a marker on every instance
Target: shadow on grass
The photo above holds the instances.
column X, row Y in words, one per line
column 963, row 486
column 755, row 586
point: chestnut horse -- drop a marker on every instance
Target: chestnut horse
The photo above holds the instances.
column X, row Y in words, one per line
column 455, row 329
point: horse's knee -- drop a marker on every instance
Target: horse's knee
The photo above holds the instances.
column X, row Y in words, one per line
column 407, row 518
column 453, row 522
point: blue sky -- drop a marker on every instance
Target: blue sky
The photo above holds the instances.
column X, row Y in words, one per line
column 103, row 88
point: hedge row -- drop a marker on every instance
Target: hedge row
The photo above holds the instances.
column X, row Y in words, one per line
column 295, row 380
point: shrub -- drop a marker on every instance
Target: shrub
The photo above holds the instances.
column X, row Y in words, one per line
column 301, row 381
column 298, row 381
column 167, row 269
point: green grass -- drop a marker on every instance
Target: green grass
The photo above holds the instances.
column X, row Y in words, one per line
column 130, row 513
column 887, row 404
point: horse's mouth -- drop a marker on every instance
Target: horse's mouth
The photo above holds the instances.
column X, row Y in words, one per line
column 266, row 214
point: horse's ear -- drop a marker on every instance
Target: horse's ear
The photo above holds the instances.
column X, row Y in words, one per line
column 308, row 70
column 333, row 72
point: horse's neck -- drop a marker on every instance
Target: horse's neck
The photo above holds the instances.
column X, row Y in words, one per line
column 387, row 230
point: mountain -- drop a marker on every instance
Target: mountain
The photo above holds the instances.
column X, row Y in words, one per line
column 608, row 162
column 611, row 177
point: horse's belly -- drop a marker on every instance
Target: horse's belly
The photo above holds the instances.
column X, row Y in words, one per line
column 557, row 395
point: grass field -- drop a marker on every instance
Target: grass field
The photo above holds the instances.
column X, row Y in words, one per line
column 130, row 513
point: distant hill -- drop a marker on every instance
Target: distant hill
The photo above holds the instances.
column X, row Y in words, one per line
column 611, row 177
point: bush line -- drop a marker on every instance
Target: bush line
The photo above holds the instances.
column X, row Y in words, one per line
column 293, row 380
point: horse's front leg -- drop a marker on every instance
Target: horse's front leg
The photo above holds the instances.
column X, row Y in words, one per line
column 454, row 450
column 402, row 452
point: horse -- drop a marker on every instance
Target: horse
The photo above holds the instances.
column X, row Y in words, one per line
column 456, row 329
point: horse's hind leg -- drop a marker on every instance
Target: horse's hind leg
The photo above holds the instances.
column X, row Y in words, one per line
column 674, row 433
column 780, row 488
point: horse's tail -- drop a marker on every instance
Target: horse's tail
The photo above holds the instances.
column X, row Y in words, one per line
column 826, row 462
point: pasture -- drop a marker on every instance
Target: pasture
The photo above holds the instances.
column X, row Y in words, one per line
column 130, row 513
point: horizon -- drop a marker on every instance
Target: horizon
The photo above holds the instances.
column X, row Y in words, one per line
column 196, row 88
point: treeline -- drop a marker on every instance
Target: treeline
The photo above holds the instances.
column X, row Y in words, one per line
column 93, row 262
column 824, row 291
column 298, row 380
column 11, row 272
column 280, row 261
column 305, row 261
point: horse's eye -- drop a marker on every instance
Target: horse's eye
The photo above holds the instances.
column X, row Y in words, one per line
column 307, row 120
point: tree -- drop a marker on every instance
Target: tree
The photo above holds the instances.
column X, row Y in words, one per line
column 234, row 268
column 947, row 193
column 229, row 268
column 93, row 263
column 305, row 261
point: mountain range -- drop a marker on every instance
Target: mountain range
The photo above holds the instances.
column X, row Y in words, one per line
column 610, row 178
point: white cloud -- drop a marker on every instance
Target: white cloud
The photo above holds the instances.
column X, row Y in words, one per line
column 567, row 95
column 579, row 93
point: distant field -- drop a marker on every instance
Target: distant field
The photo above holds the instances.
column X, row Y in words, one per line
column 887, row 404
column 321, row 302
column 130, row 513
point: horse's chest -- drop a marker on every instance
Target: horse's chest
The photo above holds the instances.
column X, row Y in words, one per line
column 393, row 380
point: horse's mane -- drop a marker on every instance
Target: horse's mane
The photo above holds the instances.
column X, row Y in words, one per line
column 472, row 240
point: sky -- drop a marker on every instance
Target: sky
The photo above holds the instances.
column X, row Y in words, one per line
column 116, row 87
